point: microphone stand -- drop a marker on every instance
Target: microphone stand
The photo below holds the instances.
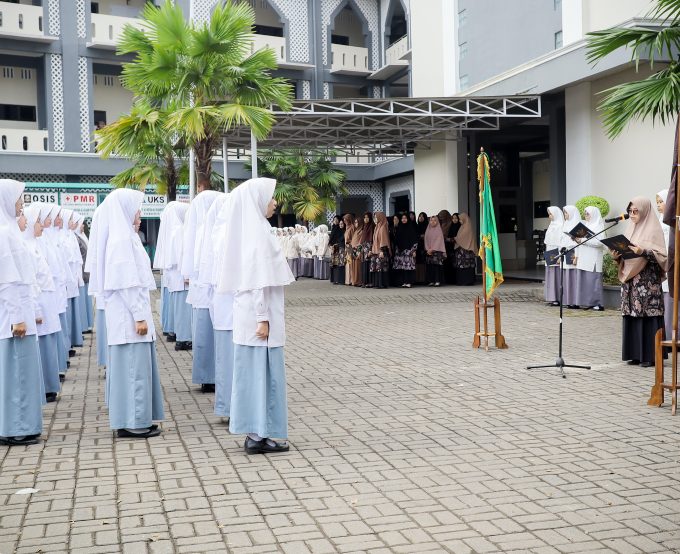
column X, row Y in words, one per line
column 559, row 362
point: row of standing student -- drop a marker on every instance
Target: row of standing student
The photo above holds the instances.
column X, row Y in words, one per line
column 224, row 270
column 308, row 253
column 44, row 307
column 370, row 252
column 645, row 302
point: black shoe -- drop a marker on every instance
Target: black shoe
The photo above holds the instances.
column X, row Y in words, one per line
column 87, row 331
column 13, row 441
column 51, row 397
column 166, row 334
column 68, row 364
column 633, row 362
column 646, row 364
column 183, row 345
column 71, row 353
column 252, row 447
column 62, row 377
column 152, row 431
column 265, row 447
column 208, row 387
column 171, row 337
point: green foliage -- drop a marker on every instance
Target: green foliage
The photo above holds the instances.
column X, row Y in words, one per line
column 307, row 184
column 595, row 201
column 610, row 271
column 656, row 97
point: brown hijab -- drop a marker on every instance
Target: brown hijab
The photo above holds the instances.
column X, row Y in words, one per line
column 381, row 235
column 647, row 234
column 465, row 238
column 445, row 221
column 349, row 228
column 358, row 232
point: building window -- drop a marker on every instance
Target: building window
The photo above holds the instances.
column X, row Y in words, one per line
column 14, row 112
column 462, row 18
column 558, row 40
column 557, row 5
column 463, row 82
column 462, row 51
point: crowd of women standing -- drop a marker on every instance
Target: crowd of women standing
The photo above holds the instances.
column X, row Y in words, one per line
column 44, row 307
column 645, row 301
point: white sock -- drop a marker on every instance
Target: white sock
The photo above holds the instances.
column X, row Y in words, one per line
column 255, row 437
column 137, row 431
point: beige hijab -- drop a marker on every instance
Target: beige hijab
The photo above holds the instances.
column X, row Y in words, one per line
column 381, row 235
column 465, row 238
column 647, row 234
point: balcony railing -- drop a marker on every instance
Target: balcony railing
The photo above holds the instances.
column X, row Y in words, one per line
column 350, row 60
column 278, row 44
column 395, row 54
column 21, row 21
column 23, row 140
column 107, row 29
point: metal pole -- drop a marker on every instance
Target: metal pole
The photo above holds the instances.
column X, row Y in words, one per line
column 192, row 174
column 253, row 154
column 225, row 163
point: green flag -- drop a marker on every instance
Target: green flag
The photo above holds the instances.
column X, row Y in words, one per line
column 488, row 236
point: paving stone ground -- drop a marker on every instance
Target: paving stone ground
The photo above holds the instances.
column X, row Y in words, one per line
column 404, row 439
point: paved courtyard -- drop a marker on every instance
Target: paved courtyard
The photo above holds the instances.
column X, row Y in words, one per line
column 404, row 439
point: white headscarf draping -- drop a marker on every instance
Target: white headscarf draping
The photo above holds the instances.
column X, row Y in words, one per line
column 15, row 264
column 211, row 243
column 595, row 223
column 553, row 235
column 43, row 273
column 169, row 246
column 569, row 224
column 663, row 194
column 193, row 232
column 116, row 257
column 251, row 257
column 79, row 220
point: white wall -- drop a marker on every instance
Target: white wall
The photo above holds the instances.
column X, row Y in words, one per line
column 637, row 163
column 20, row 91
column 121, row 8
column 436, row 178
column 578, row 128
column 602, row 14
column 114, row 100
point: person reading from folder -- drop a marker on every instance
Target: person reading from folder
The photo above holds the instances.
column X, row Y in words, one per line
column 641, row 275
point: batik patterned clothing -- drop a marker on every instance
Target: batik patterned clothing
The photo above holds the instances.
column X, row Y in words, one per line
column 642, row 296
column 437, row 258
column 405, row 260
column 464, row 259
column 380, row 264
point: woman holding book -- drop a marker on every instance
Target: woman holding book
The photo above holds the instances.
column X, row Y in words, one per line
column 590, row 254
column 572, row 217
column 641, row 272
column 554, row 237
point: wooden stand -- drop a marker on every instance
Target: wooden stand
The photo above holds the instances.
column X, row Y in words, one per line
column 657, row 395
column 482, row 305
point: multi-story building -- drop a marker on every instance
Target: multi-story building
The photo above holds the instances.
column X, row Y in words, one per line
column 59, row 80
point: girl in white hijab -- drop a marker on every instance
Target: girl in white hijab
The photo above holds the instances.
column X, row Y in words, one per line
column 22, row 393
column 86, row 313
column 47, row 315
column 254, row 269
column 661, row 197
column 553, row 241
column 179, row 318
column 120, row 271
column 162, row 243
column 68, row 244
column 589, row 264
column 572, row 217
column 322, row 254
column 203, row 341
column 292, row 251
column 102, row 345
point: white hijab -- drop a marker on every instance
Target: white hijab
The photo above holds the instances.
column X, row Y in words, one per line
column 16, row 266
column 553, row 235
column 168, row 250
column 663, row 194
column 251, row 257
column 595, row 224
column 211, row 243
column 569, row 224
column 43, row 273
column 193, row 232
column 118, row 259
column 79, row 219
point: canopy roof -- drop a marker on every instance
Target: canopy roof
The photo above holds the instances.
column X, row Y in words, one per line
column 386, row 123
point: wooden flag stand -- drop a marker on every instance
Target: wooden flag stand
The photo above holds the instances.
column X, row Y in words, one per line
column 484, row 304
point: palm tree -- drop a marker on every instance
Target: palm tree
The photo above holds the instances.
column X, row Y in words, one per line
column 144, row 137
column 307, row 184
column 207, row 73
column 657, row 96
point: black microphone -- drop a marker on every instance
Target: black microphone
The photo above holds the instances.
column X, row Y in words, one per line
column 617, row 218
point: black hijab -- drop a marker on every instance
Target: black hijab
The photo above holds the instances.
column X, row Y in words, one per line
column 422, row 227
column 407, row 235
column 337, row 234
column 453, row 230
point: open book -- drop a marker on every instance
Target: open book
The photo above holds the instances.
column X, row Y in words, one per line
column 552, row 257
column 621, row 245
column 580, row 231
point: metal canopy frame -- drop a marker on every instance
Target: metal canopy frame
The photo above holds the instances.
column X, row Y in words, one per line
column 386, row 124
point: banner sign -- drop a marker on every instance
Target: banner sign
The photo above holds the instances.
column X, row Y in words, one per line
column 84, row 203
column 153, row 205
column 38, row 196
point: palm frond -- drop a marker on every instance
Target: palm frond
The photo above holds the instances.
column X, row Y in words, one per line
column 643, row 43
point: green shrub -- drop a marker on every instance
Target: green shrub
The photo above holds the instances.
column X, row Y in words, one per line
column 610, row 270
column 595, row 201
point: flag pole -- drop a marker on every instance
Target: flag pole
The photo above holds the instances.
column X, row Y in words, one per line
column 481, row 226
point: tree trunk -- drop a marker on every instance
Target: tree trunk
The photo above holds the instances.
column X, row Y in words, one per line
column 171, row 177
column 203, row 151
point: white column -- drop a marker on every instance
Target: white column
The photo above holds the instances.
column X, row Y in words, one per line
column 578, row 138
column 436, row 178
column 225, row 164
column 253, row 154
